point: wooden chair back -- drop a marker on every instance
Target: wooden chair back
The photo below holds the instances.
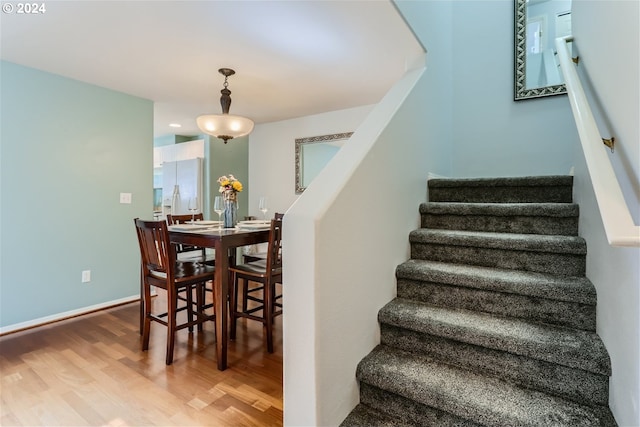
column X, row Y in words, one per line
column 158, row 255
column 182, row 219
column 274, row 249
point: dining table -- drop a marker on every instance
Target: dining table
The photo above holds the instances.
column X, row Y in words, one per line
column 225, row 241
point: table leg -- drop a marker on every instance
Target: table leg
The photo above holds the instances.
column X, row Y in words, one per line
column 221, row 289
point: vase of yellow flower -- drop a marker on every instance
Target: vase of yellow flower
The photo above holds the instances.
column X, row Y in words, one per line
column 229, row 188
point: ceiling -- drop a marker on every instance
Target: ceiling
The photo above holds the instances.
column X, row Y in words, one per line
column 292, row 58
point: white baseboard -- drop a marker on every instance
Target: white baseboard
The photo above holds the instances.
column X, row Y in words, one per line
column 432, row 175
column 67, row 314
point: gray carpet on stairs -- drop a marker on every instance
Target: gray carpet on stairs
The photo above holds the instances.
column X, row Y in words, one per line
column 494, row 321
column 484, row 400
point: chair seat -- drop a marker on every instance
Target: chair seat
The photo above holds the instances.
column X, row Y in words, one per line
column 256, row 267
column 193, row 271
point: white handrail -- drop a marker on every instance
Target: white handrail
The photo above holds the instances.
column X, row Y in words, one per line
column 618, row 223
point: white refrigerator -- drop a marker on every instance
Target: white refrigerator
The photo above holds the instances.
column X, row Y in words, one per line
column 187, row 175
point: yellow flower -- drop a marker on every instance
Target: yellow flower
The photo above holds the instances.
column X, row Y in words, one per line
column 229, row 183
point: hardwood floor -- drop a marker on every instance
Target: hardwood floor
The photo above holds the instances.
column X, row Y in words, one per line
column 90, row 371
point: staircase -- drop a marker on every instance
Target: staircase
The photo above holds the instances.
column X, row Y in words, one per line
column 494, row 320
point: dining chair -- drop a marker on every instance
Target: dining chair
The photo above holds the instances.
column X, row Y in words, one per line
column 187, row 253
column 268, row 273
column 161, row 270
column 255, row 293
column 256, row 256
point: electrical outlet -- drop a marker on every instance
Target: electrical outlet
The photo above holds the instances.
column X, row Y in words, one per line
column 86, row 276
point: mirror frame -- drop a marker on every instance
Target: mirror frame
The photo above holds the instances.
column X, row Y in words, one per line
column 520, row 59
column 312, row 140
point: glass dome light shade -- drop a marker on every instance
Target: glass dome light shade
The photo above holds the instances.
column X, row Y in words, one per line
column 225, row 126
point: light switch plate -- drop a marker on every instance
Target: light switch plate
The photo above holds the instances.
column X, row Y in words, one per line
column 125, row 198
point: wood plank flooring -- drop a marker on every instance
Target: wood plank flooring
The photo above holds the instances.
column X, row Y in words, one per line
column 90, row 371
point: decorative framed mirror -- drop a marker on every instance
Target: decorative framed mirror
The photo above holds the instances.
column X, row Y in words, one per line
column 537, row 24
column 313, row 154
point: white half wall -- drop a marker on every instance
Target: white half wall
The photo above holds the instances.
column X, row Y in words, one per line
column 344, row 238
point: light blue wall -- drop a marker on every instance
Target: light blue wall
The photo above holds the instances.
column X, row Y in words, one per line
column 431, row 22
column 470, row 52
column 68, row 149
column 224, row 159
column 494, row 135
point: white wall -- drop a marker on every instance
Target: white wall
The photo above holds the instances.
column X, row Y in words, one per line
column 272, row 154
column 615, row 272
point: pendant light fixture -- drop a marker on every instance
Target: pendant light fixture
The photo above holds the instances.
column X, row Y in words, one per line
column 225, row 126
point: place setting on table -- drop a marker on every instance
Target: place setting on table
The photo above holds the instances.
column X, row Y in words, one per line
column 226, row 207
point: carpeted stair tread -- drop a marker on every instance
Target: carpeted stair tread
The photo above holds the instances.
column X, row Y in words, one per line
column 365, row 416
column 573, row 384
column 406, row 411
column 550, row 286
column 544, row 189
column 518, row 181
column 509, row 241
column 487, row 401
column 568, row 347
column 556, row 210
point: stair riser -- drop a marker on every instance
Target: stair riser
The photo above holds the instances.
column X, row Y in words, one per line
column 501, row 194
column 502, row 224
column 580, row 316
column 570, row 383
column 408, row 411
column 542, row 262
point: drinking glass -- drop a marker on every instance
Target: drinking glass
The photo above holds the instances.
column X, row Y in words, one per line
column 262, row 206
column 193, row 208
column 218, row 207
